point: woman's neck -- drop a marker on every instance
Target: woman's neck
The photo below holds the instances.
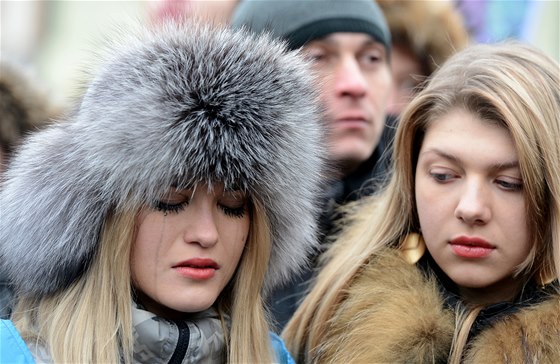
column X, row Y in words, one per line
column 503, row 291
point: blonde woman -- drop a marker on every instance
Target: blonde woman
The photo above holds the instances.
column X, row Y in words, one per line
column 149, row 226
column 458, row 259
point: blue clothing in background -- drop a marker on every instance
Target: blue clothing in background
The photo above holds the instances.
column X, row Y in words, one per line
column 279, row 347
column 12, row 347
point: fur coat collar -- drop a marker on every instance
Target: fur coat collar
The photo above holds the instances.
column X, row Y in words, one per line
column 395, row 313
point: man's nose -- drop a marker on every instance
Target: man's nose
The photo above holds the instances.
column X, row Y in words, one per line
column 349, row 78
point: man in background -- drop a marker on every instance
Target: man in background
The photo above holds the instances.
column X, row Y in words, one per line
column 348, row 43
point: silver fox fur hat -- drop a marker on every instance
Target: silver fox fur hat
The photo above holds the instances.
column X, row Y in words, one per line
column 182, row 105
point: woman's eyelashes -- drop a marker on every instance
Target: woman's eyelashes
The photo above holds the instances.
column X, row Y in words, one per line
column 442, row 175
column 504, row 183
column 232, row 205
column 173, row 207
column 234, row 211
column 509, row 185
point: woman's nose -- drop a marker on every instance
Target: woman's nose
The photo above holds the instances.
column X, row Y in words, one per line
column 202, row 229
column 473, row 206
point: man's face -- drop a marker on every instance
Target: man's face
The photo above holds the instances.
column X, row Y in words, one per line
column 355, row 81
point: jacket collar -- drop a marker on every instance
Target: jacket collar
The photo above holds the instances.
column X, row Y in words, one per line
column 531, row 295
column 200, row 339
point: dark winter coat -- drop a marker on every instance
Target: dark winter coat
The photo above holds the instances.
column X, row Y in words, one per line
column 285, row 300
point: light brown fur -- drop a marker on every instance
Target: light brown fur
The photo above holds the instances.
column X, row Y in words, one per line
column 529, row 336
column 394, row 314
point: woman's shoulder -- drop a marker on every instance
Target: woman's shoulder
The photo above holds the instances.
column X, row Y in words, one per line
column 12, row 347
column 532, row 332
column 282, row 353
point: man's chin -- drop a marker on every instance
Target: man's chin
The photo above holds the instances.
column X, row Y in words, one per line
column 349, row 161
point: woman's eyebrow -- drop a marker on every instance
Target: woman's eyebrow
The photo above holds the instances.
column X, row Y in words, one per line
column 496, row 166
column 442, row 154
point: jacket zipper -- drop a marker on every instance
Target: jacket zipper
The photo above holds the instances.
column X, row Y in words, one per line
column 182, row 343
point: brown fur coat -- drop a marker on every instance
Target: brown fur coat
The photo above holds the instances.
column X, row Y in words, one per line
column 394, row 314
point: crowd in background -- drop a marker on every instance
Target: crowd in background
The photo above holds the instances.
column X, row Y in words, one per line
column 405, row 89
column 57, row 38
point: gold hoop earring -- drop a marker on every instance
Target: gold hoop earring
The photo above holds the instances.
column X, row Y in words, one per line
column 412, row 248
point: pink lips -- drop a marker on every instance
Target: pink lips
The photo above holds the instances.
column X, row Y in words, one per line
column 471, row 247
column 197, row 268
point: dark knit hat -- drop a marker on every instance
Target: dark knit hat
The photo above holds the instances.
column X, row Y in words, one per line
column 301, row 21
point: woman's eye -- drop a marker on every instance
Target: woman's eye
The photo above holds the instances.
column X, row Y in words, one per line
column 234, row 211
column 510, row 186
column 233, row 203
column 441, row 177
column 173, row 207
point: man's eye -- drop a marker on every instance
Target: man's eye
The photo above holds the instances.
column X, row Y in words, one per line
column 371, row 58
column 317, row 57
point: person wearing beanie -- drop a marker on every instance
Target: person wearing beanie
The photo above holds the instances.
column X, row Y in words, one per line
column 349, row 44
column 181, row 191
column 424, row 35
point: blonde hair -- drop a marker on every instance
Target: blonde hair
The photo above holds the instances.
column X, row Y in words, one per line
column 512, row 84
column 91, row 321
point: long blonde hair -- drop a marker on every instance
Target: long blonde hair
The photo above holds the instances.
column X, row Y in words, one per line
column 91, row 321
column 512, row 84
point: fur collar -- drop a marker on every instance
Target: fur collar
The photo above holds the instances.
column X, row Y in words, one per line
column 394, row 314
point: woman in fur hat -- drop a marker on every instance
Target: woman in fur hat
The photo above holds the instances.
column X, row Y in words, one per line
column 179, row 193
column 458, row 259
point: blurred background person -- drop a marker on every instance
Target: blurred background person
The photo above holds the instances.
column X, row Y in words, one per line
column 424, row 34
column 25, row 107
column 58, row 36
column 217, row 12
column 348, row 44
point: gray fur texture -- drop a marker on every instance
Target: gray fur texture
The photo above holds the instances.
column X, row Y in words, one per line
column 182, row 105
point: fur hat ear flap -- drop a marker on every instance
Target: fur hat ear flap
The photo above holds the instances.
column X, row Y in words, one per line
column 48, row 225
column 183, row 105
